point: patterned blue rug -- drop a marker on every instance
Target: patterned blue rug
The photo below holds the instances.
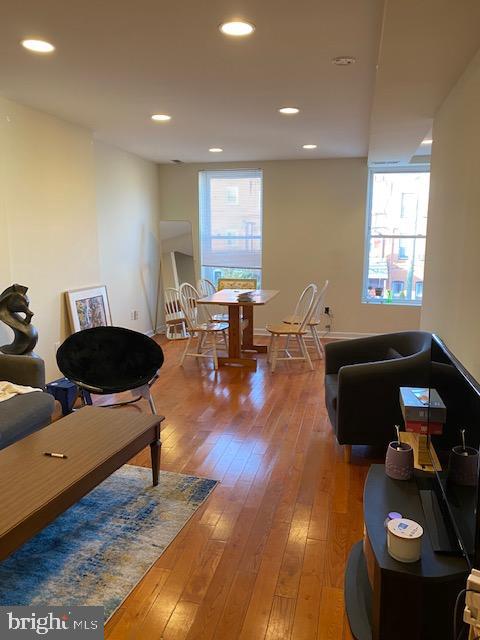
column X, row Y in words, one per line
column 98, row 550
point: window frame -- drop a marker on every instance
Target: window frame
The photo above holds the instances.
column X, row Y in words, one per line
column 207, row 203
column 372, row 170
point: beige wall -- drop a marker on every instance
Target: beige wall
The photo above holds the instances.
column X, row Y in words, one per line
column 49, row 200
column 52, row 177
column 127, row 209
column 313, row 229
column 451, row 301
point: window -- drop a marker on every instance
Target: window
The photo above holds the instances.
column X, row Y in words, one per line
column 231, row 195
column 231, row 236
column 396, row 235
column 397, row 288
column 402, row 250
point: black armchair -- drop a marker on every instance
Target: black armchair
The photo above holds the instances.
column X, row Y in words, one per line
column 362, row 381
column 109, row 360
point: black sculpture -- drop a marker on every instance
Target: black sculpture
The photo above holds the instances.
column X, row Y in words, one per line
column 14, row 302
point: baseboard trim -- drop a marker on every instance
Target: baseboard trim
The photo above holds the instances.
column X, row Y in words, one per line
column 262, row 332
column 159, row 329
column 330, row 335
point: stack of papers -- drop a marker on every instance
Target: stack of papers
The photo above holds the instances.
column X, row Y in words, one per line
column 246, row 296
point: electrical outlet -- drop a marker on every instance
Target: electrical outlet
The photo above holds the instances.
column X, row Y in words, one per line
column 133, row 314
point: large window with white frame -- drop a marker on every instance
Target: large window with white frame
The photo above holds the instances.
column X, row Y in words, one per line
column 397, row 210
column 231, row 224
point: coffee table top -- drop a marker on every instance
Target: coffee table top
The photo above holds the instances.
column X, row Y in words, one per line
column 29, row 480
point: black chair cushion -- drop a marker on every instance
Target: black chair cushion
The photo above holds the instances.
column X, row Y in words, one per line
column 109, row 359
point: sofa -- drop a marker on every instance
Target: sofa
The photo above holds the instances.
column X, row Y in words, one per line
column 23, row 414
column 362, row 381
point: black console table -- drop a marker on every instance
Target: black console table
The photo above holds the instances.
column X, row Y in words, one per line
column 385, row 598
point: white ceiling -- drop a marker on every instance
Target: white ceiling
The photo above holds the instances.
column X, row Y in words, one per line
column 118, row 62
column 425, row 47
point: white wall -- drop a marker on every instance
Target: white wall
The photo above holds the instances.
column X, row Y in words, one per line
column 451, row 302
column 314, row 225
column 52, row 236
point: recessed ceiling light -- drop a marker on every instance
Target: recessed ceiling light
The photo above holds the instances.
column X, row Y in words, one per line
column 309, row 146
column 289, row 110
column 215, row 150
column 38, row 46
column 343, row 61
column 237, row 28
column 161, row 117
column 429, row 141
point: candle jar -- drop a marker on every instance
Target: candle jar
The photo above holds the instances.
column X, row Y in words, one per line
column 399, row 461
column 463, row 469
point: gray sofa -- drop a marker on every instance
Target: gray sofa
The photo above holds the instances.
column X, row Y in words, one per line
column 362, row 381
column 23, row 414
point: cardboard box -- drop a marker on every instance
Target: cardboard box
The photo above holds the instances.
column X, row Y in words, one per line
column 424, row 428
column 423, row 410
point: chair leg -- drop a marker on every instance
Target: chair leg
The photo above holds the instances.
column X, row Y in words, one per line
column 152, row 403
column 201, row 338
column 304, row 350
column 347, row 453
column 274, row 353
column 214, row 347
column 286, row 345
column 316, row 342
column 269, row 351
column 186, row 350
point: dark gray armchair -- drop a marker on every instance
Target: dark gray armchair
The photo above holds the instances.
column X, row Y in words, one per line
column 362, row 381
column 23, row 414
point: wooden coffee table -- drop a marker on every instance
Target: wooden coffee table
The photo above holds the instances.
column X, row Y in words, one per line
column 35, row 488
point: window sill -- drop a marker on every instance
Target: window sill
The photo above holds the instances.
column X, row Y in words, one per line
column 391, row 303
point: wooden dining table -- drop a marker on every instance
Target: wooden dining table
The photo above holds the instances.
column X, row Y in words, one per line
column 240, row 325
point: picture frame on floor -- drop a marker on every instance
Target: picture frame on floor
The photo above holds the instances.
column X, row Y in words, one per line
column 88, row 307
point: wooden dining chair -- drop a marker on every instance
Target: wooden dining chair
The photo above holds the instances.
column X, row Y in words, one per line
column 314, row 321
column 206, row 288
column 174, row 317
column 200, row 326
column 305, row 306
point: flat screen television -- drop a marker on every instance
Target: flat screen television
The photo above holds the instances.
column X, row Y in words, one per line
column 452, row 508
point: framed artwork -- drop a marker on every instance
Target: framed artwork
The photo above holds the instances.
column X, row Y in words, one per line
column 88, row 308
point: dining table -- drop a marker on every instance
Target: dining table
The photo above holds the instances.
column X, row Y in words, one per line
column 240, row 322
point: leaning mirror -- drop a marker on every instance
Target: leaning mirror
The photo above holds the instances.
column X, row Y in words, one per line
column 177, row 267
column 176, row 253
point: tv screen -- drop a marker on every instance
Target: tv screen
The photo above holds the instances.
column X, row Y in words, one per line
column 454, row 491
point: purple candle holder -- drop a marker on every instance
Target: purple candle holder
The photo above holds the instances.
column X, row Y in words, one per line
column 399, row 461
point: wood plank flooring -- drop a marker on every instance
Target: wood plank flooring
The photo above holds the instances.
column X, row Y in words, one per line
column 264, row 557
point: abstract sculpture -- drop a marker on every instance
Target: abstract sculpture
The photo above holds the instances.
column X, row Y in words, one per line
column 14, row 302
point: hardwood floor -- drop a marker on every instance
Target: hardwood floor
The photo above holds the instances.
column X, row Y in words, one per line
column 264, row 557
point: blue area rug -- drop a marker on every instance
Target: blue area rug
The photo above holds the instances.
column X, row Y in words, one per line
column 98, row 550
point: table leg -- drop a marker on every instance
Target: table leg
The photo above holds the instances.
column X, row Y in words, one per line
column 155, row 449
column 233, row 331
column 247, row 342
column 234, row 341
